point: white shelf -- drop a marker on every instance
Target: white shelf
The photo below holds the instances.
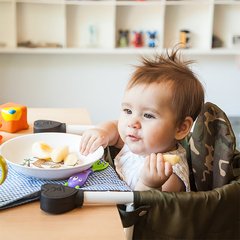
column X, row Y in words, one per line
column 40, row 23
column 189, row 2
column 139, row 3
column 197, row 21
column 92, row 26
column 82, row 19
column 116, row 51
column 225, row 26
column 7, row 24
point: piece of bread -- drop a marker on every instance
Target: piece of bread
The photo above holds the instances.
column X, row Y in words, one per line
column 172, row 159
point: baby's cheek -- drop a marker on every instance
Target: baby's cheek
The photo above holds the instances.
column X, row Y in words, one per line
column 122, row 131
column 154, row 145
column 151, row 140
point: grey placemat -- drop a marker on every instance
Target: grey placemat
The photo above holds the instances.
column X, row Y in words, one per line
column 19, row 189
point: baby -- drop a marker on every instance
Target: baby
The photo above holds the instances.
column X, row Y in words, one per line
column 160, row 103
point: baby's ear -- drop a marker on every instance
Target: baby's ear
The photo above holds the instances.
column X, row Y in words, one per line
column 184, row 128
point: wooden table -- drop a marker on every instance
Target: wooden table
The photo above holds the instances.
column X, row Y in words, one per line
column 89, row 222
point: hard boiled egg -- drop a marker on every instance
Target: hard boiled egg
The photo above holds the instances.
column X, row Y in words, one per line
column 41, row 150
column 71, row 159
column 59, row 153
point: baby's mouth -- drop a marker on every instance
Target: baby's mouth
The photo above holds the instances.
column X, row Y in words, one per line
column 133, row 137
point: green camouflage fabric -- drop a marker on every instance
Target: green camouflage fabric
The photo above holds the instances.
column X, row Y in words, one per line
column 201, row 215
column 212, row 149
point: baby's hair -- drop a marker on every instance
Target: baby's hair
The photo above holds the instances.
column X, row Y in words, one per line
column 169, row 68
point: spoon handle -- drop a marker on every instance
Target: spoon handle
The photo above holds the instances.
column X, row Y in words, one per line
column 79, row 179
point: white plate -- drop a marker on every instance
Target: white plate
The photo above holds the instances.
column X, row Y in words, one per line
column 19, row 148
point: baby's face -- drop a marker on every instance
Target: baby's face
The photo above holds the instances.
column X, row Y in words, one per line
column 147, row 123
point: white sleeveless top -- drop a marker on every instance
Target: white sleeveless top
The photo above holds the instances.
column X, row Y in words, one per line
column 128, row 166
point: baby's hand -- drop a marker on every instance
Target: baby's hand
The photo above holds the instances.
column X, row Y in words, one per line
column 155, row 171
column 92, row 139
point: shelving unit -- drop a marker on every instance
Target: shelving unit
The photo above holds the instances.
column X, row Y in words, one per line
column 195, row 18
column 92, row 26
column 7, row 25
column 83, row 19
column 40, row 23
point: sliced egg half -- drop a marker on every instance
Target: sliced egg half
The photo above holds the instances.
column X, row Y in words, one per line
column 59, row 153
column 41, row 150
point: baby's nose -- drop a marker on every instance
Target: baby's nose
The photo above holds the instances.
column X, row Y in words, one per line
column 134, row 123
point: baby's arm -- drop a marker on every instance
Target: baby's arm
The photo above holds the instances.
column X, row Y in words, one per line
column 104, row 135
column 158, row 174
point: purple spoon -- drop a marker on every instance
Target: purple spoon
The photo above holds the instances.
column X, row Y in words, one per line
column 79, row 179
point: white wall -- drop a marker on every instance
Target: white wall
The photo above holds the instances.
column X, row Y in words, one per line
column 96, row 82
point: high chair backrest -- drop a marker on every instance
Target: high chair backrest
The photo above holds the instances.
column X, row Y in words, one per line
column 212, row 149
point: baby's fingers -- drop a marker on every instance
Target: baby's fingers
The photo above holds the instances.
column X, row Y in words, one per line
column 168, row 169
column 153, row 163
column 90, row 146
column 95, row 145
column 163, row 168
column 87, row 143
column 160, row 165
column 84, row 142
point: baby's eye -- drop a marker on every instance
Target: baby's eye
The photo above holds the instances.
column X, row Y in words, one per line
column 148, row 115
column 127, row 111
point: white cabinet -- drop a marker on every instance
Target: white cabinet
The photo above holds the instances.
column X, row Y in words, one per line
column 40, row 23
column 195, row 18
column 7, row 25
column 93, row 26
column 141, row 17
column 90, row 25
column 226, row 21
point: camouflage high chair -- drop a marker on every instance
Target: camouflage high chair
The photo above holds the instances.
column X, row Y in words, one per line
column 212, row 209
